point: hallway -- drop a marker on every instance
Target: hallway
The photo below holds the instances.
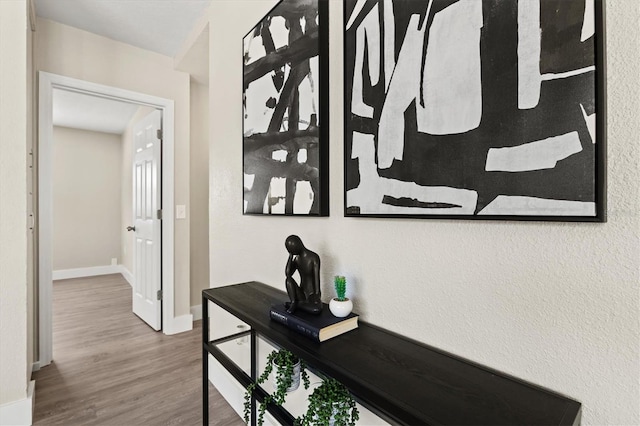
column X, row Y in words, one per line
column 110, row 368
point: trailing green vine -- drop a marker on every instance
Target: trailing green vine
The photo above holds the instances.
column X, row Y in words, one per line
column 330, row 401
column 285, row 362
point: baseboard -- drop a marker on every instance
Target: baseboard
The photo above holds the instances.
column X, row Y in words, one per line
column 19, row 412
column 126, row 274
column 196, row 312
column 179, row 325
column 35, row 367
column 65, row 274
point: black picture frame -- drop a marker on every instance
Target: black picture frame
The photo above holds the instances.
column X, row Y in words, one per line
column 285, row 80
column 411, row 159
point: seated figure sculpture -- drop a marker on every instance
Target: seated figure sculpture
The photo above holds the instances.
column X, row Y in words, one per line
column 306, row 295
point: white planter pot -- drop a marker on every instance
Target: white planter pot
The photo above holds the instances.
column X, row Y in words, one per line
column 340, row 308
column 295, row 376
column 334, row 411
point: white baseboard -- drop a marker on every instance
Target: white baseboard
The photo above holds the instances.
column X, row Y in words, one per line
column 65, row 274
column 126, row 274
column 19, row 412
column 179, row 325
column 35, row 367
column 196, row 312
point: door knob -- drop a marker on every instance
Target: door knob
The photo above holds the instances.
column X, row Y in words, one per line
column 131, row 228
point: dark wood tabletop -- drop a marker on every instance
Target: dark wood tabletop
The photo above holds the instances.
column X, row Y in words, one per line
column 404, row 381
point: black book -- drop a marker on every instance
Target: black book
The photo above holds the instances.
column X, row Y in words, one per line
column 317, row 327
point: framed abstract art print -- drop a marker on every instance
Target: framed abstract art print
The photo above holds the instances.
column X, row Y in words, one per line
column 475, row 109
column 285, row 111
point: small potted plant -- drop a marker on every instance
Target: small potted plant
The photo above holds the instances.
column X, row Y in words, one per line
column 340, row 306
column 331, row 403
column 289, row 369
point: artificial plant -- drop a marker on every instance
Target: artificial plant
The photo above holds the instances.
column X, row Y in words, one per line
column 340, row 283
column 331, row 403
column 285, row 362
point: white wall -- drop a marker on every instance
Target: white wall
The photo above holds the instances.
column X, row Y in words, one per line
column 556, row 304
column 71, row 52
column 86, row 198
column 199, row 191
column 15, row 122
column 126, row 190
column 32, row 197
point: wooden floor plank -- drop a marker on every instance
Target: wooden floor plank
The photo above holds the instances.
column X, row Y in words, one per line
column 110, row 368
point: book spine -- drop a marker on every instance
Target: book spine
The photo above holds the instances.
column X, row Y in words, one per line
column 295, row 325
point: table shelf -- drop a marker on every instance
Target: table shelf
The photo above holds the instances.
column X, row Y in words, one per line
column 399, row 379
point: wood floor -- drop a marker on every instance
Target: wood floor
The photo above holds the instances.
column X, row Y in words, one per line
column 110, row 368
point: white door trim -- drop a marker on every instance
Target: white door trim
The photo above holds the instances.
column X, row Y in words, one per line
column 47, row 82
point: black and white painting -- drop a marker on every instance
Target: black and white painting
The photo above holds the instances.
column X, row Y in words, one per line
column 285, row 101
column 487, row 109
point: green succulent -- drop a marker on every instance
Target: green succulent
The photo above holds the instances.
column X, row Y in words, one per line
column 340, row 283
column 330, row 401
column 285, row 361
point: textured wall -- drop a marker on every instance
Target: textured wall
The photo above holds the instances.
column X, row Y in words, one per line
column 199, row 196
column 14, row 370
column 553, row 303
column 86, row 198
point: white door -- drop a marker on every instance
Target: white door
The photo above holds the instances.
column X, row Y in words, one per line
column 147, row 295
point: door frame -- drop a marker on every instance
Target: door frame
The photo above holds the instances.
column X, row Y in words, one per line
column 48, row 82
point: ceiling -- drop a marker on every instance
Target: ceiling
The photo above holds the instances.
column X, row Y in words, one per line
column 161, row 26
column 87, row 112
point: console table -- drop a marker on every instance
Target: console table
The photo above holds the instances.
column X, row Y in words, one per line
column 401, row 380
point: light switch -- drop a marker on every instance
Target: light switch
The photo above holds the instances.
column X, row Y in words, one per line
column 181, row 211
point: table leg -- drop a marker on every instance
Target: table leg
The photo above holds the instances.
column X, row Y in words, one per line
column 254, row 372
column 205, row 362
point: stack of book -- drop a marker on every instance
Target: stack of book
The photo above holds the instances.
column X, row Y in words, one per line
column 317, row 327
